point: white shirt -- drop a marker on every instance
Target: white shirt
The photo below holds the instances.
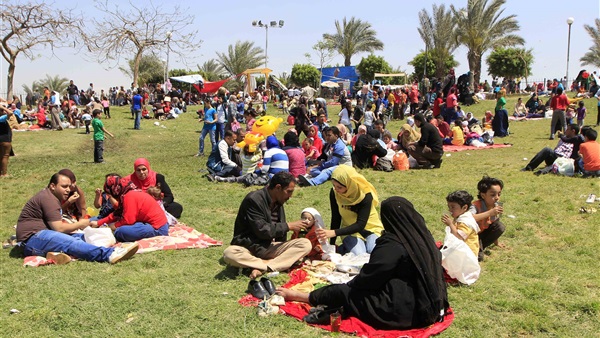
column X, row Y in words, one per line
column 344, row 117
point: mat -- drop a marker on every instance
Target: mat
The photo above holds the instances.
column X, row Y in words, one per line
column 448, row 148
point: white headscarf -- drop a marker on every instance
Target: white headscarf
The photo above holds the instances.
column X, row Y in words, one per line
column 318, row 219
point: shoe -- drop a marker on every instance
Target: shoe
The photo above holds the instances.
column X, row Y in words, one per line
column 59, row 258
column 303, row 181
column 537, row 173
column 257, row 289
column 526, row 169
column 124, row 252
column 199, row 155
column 437, row 164
column 210, row 177
column 269, row 286
column 321, row 316
column 551, row 138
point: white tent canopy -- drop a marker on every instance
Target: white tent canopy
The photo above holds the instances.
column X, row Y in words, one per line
column 191, row 79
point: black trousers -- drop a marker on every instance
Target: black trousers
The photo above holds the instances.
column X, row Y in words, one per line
column 488, row 236
column 98, row 151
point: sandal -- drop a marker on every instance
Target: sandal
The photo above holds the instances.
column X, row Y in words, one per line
column 587, row 210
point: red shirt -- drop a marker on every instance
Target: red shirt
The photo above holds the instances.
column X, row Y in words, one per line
column 436, row 106
column 590, row 150
column 451, row 101
column 560, row 102
column 138, row 206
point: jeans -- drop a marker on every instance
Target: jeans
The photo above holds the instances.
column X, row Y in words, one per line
column 321, row 176
column 211, row 133
column 139, row 230
column 74, row 245
column 220, row 132
column 98, row 151
column 228, row 170
column 358, row 246
column 138, row 117
column 75, row 98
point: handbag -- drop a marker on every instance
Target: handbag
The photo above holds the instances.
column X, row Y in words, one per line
column 458, row 259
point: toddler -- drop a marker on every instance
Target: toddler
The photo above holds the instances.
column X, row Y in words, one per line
column 487, row 210
column 461, row 222
column 389, row 141
column 157, row 194
column 310, row 151
column 581, row 112
column 105, row 203
column 315, row 221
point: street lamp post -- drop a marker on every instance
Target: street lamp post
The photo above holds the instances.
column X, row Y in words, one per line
column 570, row 21
column 272, row 24
column 169, row 35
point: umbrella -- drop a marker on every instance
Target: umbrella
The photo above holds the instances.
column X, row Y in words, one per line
column 330, row 84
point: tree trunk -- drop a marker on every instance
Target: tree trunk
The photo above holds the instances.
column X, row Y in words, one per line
column 9, row 79
column 136, row 67
column 475, row 68
column 347, row 60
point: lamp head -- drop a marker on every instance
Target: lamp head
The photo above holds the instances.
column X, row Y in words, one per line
column 260, row 24
column 169, row 35
column 570, row 20
column 280, row 23
column 254, row 23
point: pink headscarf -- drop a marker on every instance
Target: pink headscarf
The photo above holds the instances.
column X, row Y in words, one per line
column 150, row 179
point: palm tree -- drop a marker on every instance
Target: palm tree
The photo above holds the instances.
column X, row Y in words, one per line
column 353, row 37
column 244, row 55
column 54, row 83
column 211, row 70
column 437, row 31
column 592, row 57
column 285, row 79
column 481, row 27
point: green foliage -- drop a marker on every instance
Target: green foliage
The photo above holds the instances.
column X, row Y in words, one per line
column 373, row 64
column 241, row 56
column 592, row 56
column 304, row 75
column 151, row 70
column 211, row 70
column 181, row 72
column 54, row 83
column 353, row 37
column 510, row 62
column 419, row 60
column 438, row 31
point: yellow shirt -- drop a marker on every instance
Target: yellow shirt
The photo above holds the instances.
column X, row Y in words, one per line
column 391, row 99
column 470, row 236
column 458, row 138
column 374, row 224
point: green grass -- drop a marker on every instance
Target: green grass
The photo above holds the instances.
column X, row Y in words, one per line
column 545, row 283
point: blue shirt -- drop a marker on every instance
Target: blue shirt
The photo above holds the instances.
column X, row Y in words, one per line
column 209, row 116
column 137, row 102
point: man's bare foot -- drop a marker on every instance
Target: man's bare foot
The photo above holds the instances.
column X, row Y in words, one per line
column 292, row 295
column 255, row 274
column 500, row 245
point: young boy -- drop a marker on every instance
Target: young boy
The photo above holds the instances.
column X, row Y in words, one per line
column 461, row 222
column 99, row 131
column 87, row 120
column 486, row 211
column 590, row 152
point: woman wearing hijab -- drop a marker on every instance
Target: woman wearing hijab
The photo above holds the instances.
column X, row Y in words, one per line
column 407, row 136
column 344, row 134
column 366, row 147
column 353, row 200
column 75, row 205
column 143, row 177
column 402, row 287
column 137, row 215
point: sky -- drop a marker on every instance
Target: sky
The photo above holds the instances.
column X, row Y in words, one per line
column 543, row 25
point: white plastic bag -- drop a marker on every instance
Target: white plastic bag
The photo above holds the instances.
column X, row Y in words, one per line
column 564, row 166
column 458, row 259
column 99, row 236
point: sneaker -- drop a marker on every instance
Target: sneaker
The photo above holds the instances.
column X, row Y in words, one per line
column 210, row 177
column 199, row 155
column 59, row 258
column 303, row 181
column 124, row 252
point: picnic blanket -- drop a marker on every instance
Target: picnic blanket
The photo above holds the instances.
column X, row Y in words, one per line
column 180, row 236
column 512, row 118
column 350, row 325
column 452, row 148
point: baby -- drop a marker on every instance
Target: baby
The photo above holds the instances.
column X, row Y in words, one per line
column 155, row 192
column 315, row 221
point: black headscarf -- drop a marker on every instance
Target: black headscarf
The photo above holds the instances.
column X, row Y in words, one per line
column 404, row 224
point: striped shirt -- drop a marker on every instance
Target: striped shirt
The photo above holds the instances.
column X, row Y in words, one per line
column 275, row 160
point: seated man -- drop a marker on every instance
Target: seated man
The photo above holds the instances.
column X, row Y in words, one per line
column 259, row 236
column 429, row 149
column 568, row 147
column 220, row 161
column 336, row 153
column 41, row 231
column 590, row 152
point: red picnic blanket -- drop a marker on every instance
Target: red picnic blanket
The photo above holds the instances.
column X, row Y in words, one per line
column 452, row 148
column 351, row 325
column 180, row 237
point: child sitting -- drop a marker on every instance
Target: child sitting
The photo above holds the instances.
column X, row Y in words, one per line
column 389, row 141
column 105, row 202
column 155, row 192
column 456, row 136
column 250, row 162
column 487, row 210
column 315, row 221
column 311, row 152
column 461, row 222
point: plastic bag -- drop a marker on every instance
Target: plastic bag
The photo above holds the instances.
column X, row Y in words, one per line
column 400, row 161
column 564, row 166
column 458, row 259
column 99, row 236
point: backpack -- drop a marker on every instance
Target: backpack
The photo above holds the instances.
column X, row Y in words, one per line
column 383, row 164
column 400, row 161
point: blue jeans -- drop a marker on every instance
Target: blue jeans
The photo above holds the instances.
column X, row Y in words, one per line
column 139, row 230
column 358, row 246
column 75, row 98
column 228, row 171
column 138, row 117
column 74, row 245
column 321, row 176
column 220, row 132
column 210, row 132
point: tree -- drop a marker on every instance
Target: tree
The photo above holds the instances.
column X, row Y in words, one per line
column 437, row 31
column 372, row 64
column 211, row 70
column 592, row 56
column 244, row 55
column 304, row 75
column 325, row 52
column 54, row 83
column 419, row 60
column 481, row 27
column 25, row 27
column 510, row 62
column 353, row 37
column 284, row 78
column 135, row 30
column 150, row 70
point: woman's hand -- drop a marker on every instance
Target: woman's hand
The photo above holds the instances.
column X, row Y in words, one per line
column 94, row 224
column 73, row 198
column 323, row 234
column 446, row 219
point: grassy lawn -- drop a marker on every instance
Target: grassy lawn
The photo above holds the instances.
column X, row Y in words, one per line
column 544, row 283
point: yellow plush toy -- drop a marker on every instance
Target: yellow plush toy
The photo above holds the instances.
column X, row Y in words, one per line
column 252, row 139
column 266, row 125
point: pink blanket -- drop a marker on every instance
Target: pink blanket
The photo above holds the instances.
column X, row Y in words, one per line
column 180, row 237
column 452, row 148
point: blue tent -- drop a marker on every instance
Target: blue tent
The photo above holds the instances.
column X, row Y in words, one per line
column 340, row 74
